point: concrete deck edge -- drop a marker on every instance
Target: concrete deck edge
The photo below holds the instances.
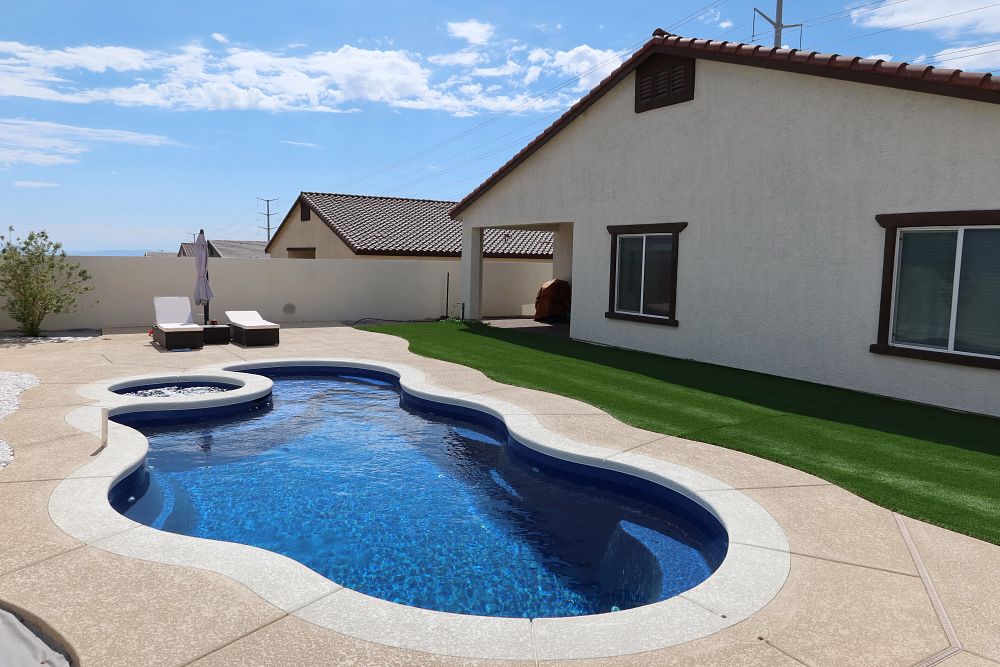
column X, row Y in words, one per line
column 753, row 572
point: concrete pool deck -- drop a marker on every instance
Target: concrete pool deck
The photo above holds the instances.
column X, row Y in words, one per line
column 865, row 586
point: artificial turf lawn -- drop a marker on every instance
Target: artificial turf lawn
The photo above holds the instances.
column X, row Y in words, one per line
column 932, row 464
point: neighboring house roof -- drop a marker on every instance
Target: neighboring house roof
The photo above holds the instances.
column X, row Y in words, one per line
column 980, row 86
column 397, row 226
column 226, row 249
column 238, row 248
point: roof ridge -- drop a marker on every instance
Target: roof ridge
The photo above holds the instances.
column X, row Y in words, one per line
column 357, row 196
column 236, row 240
column 832, row 59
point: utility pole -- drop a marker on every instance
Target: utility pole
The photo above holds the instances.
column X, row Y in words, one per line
column 777, row 24
column 268, row 214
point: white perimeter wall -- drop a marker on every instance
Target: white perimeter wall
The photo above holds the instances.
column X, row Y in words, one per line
column 294, row 290
column 779, row 177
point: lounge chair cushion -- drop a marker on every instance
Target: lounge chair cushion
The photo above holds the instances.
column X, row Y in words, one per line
column 173, row 327
column 173, row 313
column 249, row 319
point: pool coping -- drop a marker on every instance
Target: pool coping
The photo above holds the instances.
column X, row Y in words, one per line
column 752, row 573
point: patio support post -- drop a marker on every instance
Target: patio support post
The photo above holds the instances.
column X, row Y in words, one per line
column 472, row 271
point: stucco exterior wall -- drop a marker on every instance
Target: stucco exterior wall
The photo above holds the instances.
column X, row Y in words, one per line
column 293, row 290
column 311, row 233
column 780, row 177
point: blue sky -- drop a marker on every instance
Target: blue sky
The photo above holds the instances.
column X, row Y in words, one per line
column 127, row 125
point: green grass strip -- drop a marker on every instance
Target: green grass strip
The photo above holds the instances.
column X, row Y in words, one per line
column 929, row 463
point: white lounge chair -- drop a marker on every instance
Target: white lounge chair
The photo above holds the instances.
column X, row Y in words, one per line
column 248, row 328
column 175, row 328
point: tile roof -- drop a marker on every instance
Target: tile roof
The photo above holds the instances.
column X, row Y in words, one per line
column 979, row 86
column 371, row 225
column 226, row 249
column 239, row 248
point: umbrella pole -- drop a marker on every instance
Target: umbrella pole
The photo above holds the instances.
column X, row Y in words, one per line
column 206, row 312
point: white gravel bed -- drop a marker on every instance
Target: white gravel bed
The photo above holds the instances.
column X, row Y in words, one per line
column 11, row 386
column 75, row 336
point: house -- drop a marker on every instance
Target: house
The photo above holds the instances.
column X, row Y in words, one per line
column 220, row 248
column 821, row 217
column 322, row 225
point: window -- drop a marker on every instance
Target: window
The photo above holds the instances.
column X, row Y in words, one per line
column 663, row 80
column 302, row 253
column 643, row 284
column 304, row 211
column 941, row 287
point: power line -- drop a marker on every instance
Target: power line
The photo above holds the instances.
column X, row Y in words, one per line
column 489, row 121
column 948, row 56
column 944, row 60
column 476, row 147
column 910, row 25
column 618, row 55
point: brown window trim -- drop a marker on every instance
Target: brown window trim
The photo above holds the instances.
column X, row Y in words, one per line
column 892, row 223
column 300, row 249
column 674, row 228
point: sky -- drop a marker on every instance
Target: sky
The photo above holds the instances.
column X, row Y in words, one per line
column 126, row 126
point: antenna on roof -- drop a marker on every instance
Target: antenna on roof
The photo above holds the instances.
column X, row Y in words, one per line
column 266, row 213
column 776, row 23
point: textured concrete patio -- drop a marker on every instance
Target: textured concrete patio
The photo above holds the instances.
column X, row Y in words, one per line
column 866, row 587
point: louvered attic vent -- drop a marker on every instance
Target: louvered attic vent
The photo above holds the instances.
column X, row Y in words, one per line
column 663, row 80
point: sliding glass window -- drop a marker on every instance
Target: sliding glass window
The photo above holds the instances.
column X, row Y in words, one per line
column 947, row 290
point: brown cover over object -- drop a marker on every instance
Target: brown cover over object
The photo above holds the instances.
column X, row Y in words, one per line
column 553, row 301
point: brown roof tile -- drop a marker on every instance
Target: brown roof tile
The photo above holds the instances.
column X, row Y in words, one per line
column 371, row 225
column 979, row 86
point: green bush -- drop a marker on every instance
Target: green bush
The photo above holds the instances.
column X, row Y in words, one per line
column 36, row 279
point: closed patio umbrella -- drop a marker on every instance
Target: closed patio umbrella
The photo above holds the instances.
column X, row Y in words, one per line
column 202, row 290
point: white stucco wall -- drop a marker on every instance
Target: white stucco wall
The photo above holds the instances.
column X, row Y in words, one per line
column 780, row 177
column 294, row 290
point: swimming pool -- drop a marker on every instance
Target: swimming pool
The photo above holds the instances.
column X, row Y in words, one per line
column 418, row 503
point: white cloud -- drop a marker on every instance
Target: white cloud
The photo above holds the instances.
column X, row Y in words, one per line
column 465, row 58
column 472, row 31
column 93, row 58
column 539, row 55
column 880, row 56
column 725, row 25
column 300, row 144
column 710, row 16
column 509, row 68
column 43, row 143
column 35, row 184
column 217, row 77
column 892, row 14
column 220, row 38
column 588, row 63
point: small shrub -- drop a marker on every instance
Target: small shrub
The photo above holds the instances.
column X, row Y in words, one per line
column 36, row 279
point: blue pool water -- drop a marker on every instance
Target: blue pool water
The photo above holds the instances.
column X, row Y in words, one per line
column 438, row 512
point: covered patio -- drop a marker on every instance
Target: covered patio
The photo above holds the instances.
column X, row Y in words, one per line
column 472, row 260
